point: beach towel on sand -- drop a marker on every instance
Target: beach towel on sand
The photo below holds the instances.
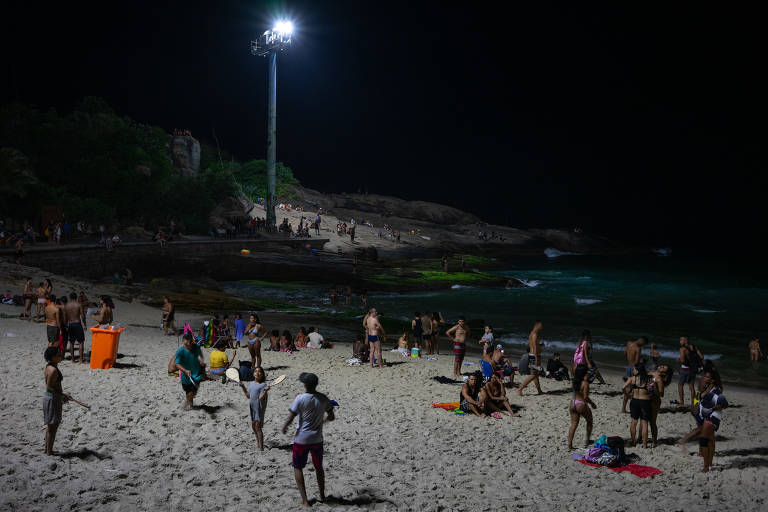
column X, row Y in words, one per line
column 635, row 469
column 449, row 406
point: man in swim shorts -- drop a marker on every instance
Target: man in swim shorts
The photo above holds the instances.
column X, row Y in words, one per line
column 375, row 333
column 41, row 302
column 311, row 408
column 459, row 334
column 687, row 374
column 74, row 318
column 755, row 352
column 52, row 323
column 529, row 363
column 632, row 352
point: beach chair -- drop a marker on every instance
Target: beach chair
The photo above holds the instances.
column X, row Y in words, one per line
column 487, row 370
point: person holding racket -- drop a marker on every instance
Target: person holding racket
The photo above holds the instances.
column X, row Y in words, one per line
column 257, row 394
column 189, row 360
column 311, row 408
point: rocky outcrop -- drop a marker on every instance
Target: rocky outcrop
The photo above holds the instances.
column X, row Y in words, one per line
column 384, row 206
column 231, row 209
column 185, row 154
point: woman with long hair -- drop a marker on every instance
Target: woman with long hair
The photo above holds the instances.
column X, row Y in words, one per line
column 256, row 333
column 578, row 405
column 640, row 405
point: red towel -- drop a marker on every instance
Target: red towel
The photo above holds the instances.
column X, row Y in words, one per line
column 635, row 469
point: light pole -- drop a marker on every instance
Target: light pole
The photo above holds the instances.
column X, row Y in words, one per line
column 268, row 45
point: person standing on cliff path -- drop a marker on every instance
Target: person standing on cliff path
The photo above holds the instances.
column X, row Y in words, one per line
column 445, row 263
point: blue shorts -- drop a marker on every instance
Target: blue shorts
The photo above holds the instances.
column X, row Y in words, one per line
column 373, row 339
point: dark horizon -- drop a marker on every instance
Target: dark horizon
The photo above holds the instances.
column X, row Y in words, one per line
column 644, row 125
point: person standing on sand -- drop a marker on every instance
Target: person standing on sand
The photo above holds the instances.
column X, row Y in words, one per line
column 418, row 330
column 74, row 317
column 376, row 334
column 632, row 352
column 687, row 373
column 434, row 323
column 52, row 323
column 313, row 409
column 578, row 405
column 189, row 360
column 239, row 329
column 256, row 333
column 28, row 295
column 364, row 300
column 168, row 312
column 54, row 396
column 755, row 351
column 257, row 395
column 40, row 294
column 444, row 263
column 531, row 359
column 459, row 334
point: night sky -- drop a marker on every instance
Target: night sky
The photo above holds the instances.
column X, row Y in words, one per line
column 642, row 122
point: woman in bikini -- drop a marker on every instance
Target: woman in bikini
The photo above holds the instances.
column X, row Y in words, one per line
column 660, row 379
column 29, row 296
column 256, row 333
column 640, row 405
column 578, row 405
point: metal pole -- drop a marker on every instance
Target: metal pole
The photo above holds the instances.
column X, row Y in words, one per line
column 271, row 141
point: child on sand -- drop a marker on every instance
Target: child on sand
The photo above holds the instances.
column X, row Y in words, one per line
column 54, row 396
column 257, row 394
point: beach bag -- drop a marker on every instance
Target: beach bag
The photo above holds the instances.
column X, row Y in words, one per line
column 578, row 356
column 616, row 445
column 245, row 370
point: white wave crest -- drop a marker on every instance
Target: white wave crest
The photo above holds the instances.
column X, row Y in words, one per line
column 533, row 283
column 585, row 302
column 551, row 252
column 662, row 251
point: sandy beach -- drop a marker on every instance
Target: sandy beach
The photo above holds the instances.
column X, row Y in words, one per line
column 136, row 449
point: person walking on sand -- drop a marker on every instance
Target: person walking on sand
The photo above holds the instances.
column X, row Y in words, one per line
column 168, row 312
column 74, row 318
column 189, row 360
column 755, row 352
column 54, row 396
column 312, row 409
column 530, row 362
column 632, row 352
column 459, row 334
column 257, row 395
column 376, row 334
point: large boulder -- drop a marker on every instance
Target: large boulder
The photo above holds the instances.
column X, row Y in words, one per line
column 185, row 154
column 231, row 209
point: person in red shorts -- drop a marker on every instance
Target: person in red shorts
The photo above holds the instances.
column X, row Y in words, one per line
column 310, row 408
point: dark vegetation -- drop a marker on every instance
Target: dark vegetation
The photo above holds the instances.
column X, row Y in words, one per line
column 102, row 168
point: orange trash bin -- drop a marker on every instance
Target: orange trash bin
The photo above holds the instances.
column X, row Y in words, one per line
column 104, row 347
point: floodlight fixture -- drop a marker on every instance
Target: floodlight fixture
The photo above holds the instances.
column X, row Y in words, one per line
column 276, row 39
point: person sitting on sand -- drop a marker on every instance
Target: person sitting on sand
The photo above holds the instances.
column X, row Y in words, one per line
column 404, row 342
column 286, row 342
column 255, row 332
column 577, row 406
column 755, row 352
column 556, row 369
column 274, row 341
column 469, row 399
column 529, row 363
column 257, row 394
column 495, row 398
column 218, row 362
column 459, row 334
column 301, row 337
column 640, row 405
column 54, row 396
column 360, row 349
column 189, row 360
column 315, row 339
column 502, row 365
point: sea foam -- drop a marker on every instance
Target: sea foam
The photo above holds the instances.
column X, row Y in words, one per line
column 586, row 302
column 551, row 252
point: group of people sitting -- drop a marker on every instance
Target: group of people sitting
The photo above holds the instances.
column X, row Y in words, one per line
column 485, row 395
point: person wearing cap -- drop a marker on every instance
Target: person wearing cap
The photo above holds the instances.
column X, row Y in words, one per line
column 189, row 360
column 311, row 408
column 501, row 364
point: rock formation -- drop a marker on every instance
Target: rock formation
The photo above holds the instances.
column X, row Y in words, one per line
column 185, row 154
column 230, row 210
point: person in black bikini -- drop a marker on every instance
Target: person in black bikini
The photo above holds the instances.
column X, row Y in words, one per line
column 640, row 405
column 54, row 396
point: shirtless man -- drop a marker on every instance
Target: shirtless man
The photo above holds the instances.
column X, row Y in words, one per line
column 687, row 374
column 755, row 351
column 632, row 352
column 29, row 296
column 168, row 313
column 524, row 367
column 376, row 335
column 75, row 320
column 52, row 323
column 458, row 334
column 40, row 293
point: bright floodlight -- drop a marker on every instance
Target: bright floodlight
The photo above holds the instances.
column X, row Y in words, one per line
column 283, row 27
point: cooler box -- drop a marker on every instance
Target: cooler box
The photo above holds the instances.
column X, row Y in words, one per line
column 104, row 347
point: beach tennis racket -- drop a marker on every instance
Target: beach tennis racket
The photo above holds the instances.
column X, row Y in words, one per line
column 233, row 374
column 277, row 380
